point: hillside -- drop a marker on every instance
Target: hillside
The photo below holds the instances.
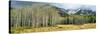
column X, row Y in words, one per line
column 37, row 16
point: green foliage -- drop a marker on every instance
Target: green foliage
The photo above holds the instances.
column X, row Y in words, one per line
column 44, row 15
column 34, row 16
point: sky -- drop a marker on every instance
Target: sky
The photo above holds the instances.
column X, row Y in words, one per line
column 61, row 5
column 76, row 6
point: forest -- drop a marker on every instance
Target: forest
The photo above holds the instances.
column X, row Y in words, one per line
column 46, row 17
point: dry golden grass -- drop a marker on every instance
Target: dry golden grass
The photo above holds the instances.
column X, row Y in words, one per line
column 57, row 28
column 84, row 26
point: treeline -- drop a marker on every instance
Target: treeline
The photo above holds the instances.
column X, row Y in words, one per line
column 81, row 16
column 29, row 17
column 44, row 16
column 78, row 19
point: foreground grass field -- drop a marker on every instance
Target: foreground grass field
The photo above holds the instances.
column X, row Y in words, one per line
column 55, row 28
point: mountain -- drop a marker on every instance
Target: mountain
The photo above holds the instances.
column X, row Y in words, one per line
column 85, row 12
column 81, row 11
column 62, row 11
